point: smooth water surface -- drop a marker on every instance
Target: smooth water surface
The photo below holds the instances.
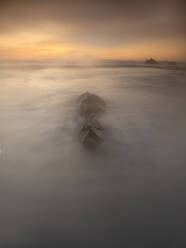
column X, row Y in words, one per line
column 130, row 192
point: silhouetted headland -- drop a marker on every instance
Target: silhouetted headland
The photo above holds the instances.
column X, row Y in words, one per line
column 151, row 61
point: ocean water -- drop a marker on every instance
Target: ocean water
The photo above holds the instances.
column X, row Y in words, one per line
column 129, row 192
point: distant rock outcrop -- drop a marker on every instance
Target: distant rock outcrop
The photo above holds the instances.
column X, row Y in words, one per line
column 172, row 63
column 151, row 61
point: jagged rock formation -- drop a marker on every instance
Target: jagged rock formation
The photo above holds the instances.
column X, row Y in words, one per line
column 91, row 107
column 151, row 61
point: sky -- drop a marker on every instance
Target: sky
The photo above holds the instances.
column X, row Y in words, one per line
column 104, row 29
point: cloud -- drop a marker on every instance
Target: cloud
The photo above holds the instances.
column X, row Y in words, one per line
column 96, row 24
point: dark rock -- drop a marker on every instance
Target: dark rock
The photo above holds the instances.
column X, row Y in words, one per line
column 91, row 131
column 151, row 61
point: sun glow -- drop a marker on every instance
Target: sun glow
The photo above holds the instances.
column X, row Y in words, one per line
column 31, row 46
column 41, row 45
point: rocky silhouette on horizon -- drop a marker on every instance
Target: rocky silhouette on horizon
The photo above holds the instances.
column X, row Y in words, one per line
column 151, row 61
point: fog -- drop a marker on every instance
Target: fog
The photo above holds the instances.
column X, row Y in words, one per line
column 129, row 192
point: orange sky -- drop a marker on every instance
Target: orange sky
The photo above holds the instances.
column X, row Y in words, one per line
column 32, row 46
column 92, row 31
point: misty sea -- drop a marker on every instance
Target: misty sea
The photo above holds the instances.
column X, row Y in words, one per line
column 129, row 192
